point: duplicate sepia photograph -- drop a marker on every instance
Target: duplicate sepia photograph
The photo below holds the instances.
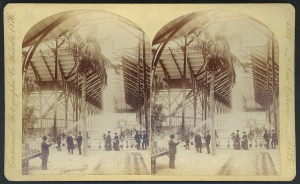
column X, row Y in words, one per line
column 86, row 96
column 215, row 96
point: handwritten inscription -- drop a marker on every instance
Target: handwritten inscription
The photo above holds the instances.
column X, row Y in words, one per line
column 289, row 92
column 12, row 87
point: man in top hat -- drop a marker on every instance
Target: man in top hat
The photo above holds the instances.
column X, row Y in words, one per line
column 274, row 137
column 172, row 151
column 79, row 142
column 237, row 142
column 207, row 141
column 145, row 140
column 137, row 138
column 108, row 142
column 267, row 138
column 45, row 152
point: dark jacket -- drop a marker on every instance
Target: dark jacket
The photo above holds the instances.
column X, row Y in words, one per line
column 267, row 136
column 274, row 136
column 207, row 139
column 245, row 138
column 79, row 140
column 137, row 137
column 45, row 149
column 237, row 137
column 145, row 137
column 116, row 138
column 172, row 147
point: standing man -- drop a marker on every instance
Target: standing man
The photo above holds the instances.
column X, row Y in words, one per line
column 267, row 138
column 137, row 138
column 58, row 143
column 207, row 141
column 187, row 141
column 79, row 142
column 145, row 140
column 45, row 153
column 274, row 137
column 172, row 151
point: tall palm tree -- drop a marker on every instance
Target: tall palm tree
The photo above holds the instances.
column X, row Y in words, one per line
column 88, row 57
column 217, row 59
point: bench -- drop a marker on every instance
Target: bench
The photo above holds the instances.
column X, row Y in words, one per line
column 156, row 155
column 25, row 161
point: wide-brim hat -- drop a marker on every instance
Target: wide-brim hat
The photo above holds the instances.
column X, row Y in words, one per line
column 44, row 138
column 116, row 133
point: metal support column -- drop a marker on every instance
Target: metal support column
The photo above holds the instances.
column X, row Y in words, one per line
column 195, row 104
column 139, row 85
column 274, row 90
column 169, row 108
column 41, row 111
column 83, row 113
column 55, row 92
column 76, row 103
column 145, row 87
column 268, row 87
column 66, row 106
column 212, row 113
column 184, row 87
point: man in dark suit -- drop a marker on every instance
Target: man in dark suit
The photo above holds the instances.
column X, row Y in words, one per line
column 267, row 138
column 45, row 153
column 187, row 140
column 207, row 141
column 137, row 138
column 172, row 151
column 145, row 140
column 274, row 137
column 79, row 142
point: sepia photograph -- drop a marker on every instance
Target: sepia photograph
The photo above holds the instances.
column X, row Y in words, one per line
column 215, row 96
column 149, row 92
column 85, row 96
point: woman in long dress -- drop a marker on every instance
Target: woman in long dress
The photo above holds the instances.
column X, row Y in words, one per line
column 108, row 142
column 116, row 143
column 245, row 141
column 198, row 143
column 237, row 141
